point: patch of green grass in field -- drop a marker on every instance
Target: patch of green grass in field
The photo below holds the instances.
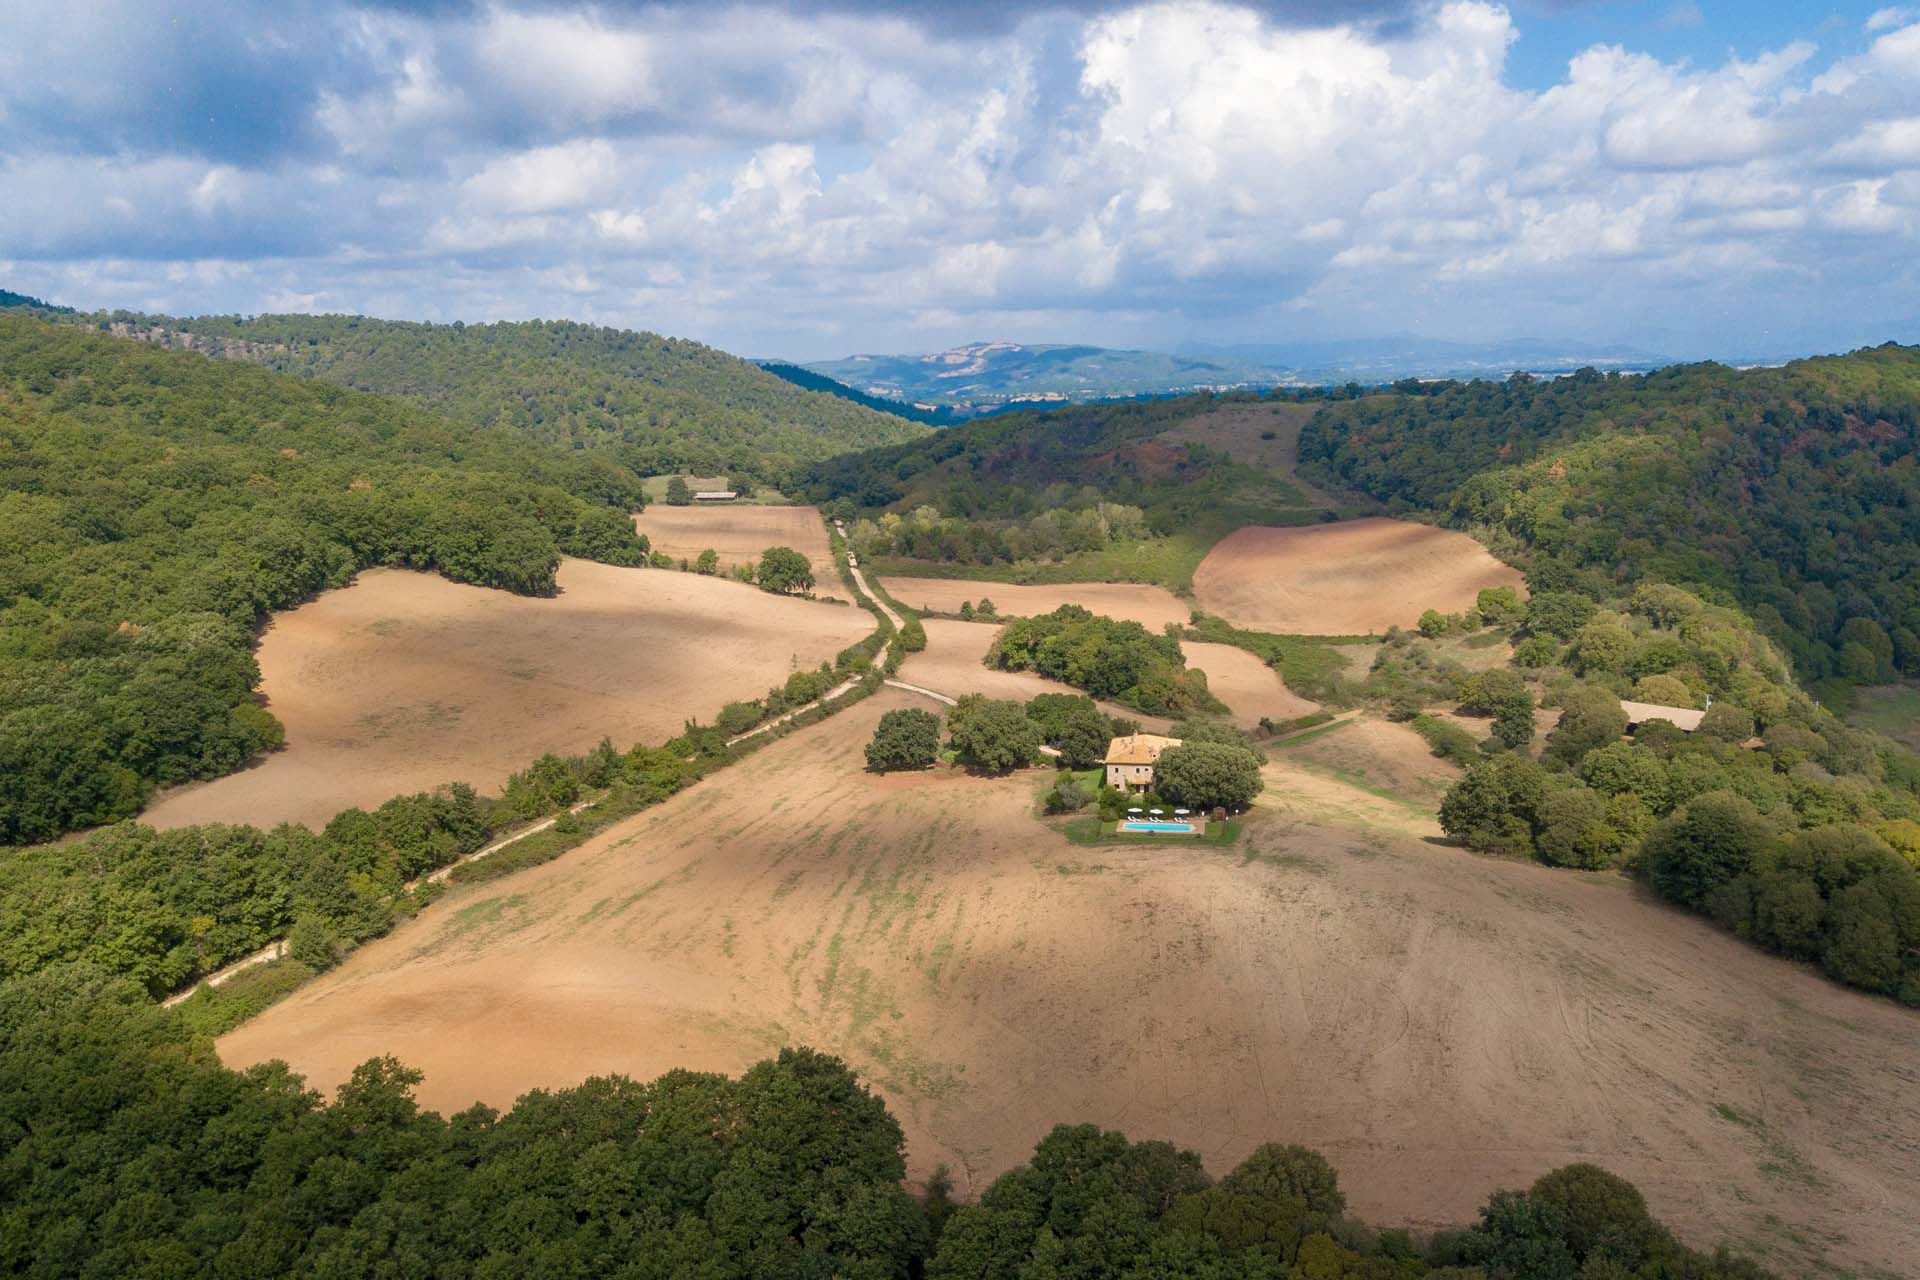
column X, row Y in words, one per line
column 1892, row 709
column 1167, row 561
column 1308, row 665
column 485, row 912
column 1311, row 734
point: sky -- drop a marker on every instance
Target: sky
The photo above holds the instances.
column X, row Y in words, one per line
column 823, row 177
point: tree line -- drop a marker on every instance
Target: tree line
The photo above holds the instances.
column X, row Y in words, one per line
column 127, row 1149
column 155, row 507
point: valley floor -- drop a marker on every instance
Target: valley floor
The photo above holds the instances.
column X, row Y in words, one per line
column 1433, row 1020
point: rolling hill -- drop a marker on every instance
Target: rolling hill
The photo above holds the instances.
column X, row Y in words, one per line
column 156, row 506
column 654, row 404
column 1792, row 491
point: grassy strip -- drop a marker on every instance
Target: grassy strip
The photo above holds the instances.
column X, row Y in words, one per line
column 1286, row 728
column 1091, row 831
column 214, row 1011
column 1309, row 667
column 1311, row 734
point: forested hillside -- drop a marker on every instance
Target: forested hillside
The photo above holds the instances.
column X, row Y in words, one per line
column 812, row 381
column 154, row 506
column 654, row 404
column 126, row 1149
column 1792, row 491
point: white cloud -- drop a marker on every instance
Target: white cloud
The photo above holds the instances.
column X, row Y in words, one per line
column 542, row 179
column 569, row 65
column 768, row 180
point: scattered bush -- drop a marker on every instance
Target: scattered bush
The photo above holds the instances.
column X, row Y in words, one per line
column 904, row 739
column 1448, row 740
column 1206, row 775
column 783, row 571
column 992, row 735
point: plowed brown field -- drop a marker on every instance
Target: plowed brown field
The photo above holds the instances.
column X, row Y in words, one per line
column 740, row 533
column 1356, row 577
column 1440, row 1024
column 404, row 681
column 1152, row 607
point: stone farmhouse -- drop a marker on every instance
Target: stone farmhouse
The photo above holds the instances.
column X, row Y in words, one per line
column 1130, row 760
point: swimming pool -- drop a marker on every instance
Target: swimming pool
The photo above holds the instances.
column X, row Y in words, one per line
column 1157, row 827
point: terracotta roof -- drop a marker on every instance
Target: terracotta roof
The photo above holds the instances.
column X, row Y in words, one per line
column 1683, row 718
column 1138, row 748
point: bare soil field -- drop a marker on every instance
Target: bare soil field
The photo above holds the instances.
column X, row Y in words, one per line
column 1249, row 687
column 404, row 681
column 1439, row 1024
column 1152, row 607
column 1356, row 577
column 740, row 533
column 1375, row 755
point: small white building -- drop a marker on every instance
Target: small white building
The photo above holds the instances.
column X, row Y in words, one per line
column 715, row 495
column 1130, row 760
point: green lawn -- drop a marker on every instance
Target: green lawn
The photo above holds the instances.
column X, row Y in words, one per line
column 1892, row 709
column 1090, row 830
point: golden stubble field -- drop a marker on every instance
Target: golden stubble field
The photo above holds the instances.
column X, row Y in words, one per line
column 1152, row 607
column 739, row 533
column 1440, row 1024
column 404, row 681
column 1353, row 577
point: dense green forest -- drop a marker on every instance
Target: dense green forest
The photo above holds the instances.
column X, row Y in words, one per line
column 127, row 1149
column 155, row 506
column 1019, row 465
column 1773, row 817
column 653, row 404
column 1792, row 491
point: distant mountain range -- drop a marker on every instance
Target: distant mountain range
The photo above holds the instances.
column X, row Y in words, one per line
column 982, row 377
column 1375, row 360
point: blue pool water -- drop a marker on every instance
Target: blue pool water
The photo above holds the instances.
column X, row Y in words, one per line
column 1156, row 826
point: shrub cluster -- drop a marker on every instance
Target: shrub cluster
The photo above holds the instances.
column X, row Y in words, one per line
column 1773, row 817
column 1121, row 661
